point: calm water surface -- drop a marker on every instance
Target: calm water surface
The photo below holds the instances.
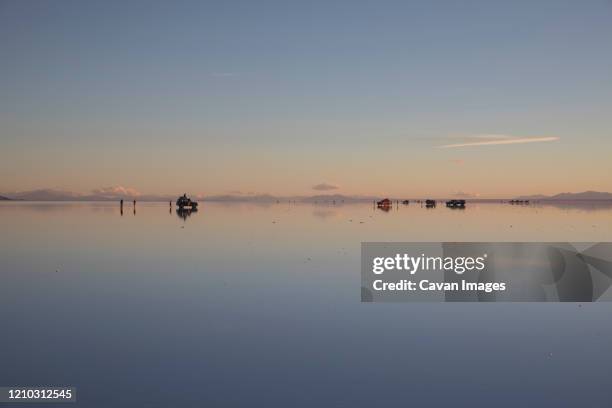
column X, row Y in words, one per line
column 259, row 305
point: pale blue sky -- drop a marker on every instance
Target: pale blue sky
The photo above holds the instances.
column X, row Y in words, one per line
column 279, row 96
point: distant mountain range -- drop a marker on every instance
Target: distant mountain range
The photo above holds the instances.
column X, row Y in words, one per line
column 585, row 195
column 60, row 195
column 270, row 198
column 99, row 195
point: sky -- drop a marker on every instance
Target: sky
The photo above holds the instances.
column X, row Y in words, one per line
column 398, row 98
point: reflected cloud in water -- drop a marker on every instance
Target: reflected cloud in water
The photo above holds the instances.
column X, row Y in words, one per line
column 324, row 213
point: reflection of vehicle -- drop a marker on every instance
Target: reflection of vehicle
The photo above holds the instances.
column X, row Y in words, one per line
column 455, row 204
column 185, row 202
column 185, row 212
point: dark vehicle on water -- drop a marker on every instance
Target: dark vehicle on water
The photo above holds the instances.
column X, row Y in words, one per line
column 384, row 205
column 184, row 202
column 455, row 204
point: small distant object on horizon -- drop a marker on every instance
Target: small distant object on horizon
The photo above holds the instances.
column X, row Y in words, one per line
column 406, row 202
column 519, row 202
column 430, row 203
column 455, row 204
column 185, row 202
column 384, row 203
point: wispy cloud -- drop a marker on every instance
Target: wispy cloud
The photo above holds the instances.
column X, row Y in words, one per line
column 325, row 187
column 488, row 136
column 495, row 140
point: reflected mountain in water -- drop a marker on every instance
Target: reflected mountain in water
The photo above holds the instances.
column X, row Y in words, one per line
column 583, row 205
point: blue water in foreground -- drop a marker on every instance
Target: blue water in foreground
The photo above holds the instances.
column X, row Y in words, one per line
column 259, row 305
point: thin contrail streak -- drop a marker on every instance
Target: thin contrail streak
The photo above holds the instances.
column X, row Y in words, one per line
column 502, row 142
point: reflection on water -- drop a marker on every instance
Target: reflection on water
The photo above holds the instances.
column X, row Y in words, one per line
column 324, row 213
column 183, row 213
column 577, row 205
column 258, row 304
